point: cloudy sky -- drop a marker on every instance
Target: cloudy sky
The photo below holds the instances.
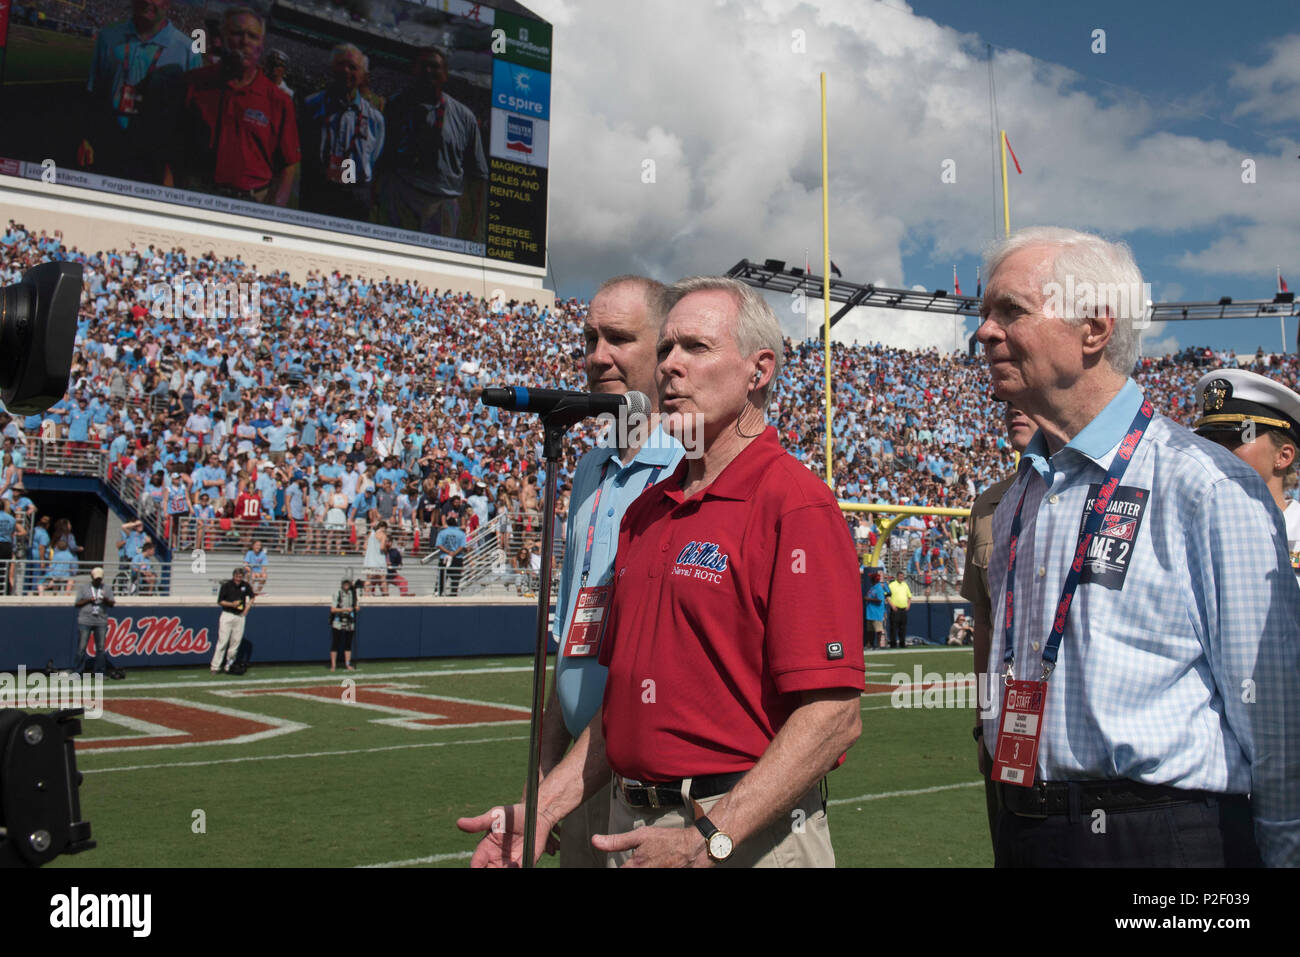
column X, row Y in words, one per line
column 1143, row 142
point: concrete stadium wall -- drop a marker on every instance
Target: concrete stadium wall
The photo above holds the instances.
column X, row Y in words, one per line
column 94, row 221
column 143, row 633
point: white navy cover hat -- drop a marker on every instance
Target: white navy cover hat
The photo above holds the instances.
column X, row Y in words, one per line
column 1226, row 398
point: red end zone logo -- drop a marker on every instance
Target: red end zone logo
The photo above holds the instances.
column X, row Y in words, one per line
column 157, row 636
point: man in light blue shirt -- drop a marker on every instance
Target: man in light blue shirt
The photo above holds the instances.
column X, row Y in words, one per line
column 451, row 542
column 133, row 65
column 620, row 333
column 1173, row 708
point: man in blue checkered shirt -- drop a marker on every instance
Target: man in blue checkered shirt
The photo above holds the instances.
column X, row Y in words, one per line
column 1171, row 728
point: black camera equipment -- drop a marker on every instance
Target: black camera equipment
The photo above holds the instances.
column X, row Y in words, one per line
column 40, row 811
column 38, row 323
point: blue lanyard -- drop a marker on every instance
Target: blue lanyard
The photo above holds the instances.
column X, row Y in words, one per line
column 595, row 504
column 1117, row 468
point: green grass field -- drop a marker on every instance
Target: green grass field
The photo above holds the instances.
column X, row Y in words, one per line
column 343, row 784
column 43, row 56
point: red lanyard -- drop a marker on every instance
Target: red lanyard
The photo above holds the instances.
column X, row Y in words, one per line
column 1116, row 471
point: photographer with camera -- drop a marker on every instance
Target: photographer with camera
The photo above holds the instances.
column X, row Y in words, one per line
column 92, row 603
column 343, row 624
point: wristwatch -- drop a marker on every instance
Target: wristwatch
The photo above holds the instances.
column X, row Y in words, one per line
column 717, row 844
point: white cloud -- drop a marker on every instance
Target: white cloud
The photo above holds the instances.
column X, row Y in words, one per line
column 729, row 114
column 1272, row 89
column 1155, row 343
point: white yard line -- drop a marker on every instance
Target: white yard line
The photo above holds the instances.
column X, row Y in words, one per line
column 915, row 791
column 431, row 859
column 223, row 681
column 281, row 757
column 323, row 677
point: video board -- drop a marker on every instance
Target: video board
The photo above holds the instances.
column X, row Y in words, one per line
column 417, row 122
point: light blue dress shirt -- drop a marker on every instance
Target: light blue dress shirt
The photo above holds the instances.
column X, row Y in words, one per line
column 580, row 682
column 1186, row 673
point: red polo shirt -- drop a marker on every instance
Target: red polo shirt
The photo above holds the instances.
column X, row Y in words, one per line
column 726, row 606
column 251, row 129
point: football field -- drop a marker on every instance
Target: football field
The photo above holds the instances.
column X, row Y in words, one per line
column 293, row 766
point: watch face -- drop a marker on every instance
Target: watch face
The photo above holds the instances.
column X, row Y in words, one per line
column 720, row 846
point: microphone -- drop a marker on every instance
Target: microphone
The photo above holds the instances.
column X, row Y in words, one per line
column 544, row 401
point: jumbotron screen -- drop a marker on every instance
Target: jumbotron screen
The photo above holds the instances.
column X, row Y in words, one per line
column 417, row 122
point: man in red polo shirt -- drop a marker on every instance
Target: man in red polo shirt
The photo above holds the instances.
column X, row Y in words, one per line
column 238, row 132
column 734, row 637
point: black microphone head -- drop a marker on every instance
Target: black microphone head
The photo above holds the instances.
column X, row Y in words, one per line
column 638, row 403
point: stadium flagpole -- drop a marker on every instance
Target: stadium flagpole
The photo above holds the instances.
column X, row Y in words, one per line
column 826, row 280
column 1006, row 200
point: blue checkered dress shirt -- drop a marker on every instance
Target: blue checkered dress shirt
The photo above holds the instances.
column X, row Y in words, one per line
column 1188, row 673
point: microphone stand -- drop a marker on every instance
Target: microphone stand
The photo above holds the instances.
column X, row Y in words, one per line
column 555, row 423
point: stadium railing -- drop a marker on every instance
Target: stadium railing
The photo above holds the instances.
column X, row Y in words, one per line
column 59, row 456
column 29, row 576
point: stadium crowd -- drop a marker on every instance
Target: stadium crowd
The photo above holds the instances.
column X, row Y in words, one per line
column 339, row 402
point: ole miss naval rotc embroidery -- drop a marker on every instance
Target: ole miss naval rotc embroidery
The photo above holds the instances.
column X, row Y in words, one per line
column 1111, row 551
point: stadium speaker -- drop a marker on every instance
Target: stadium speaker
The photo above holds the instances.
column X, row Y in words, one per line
column 38, row 324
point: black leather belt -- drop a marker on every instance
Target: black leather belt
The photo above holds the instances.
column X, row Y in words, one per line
column 658, row 794
column 1047, row 798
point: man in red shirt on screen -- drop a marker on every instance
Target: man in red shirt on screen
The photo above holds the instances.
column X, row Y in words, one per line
column 239, row 134
column 734, row 636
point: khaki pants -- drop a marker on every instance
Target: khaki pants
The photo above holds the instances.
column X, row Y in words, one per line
column 230, row 630
column 575, row 832
column 801, row 838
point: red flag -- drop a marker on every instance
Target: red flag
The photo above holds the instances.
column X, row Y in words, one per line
column 956, row 283
column 1012, row 152
column 1281, row 283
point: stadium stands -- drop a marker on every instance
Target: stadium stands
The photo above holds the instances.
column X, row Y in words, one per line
column 337, row 402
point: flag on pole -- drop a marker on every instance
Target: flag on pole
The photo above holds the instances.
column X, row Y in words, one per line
column 835, row 270
column 1012, row 152
column 1281, row 283
column 956, row 283
column 979, row 288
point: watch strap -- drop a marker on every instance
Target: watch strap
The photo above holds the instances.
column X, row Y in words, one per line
column 705, row 826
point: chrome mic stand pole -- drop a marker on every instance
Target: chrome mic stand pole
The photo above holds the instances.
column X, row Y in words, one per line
column 554, row 424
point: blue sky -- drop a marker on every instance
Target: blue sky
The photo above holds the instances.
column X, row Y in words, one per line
column 1179, row 58
column 1143, row 142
